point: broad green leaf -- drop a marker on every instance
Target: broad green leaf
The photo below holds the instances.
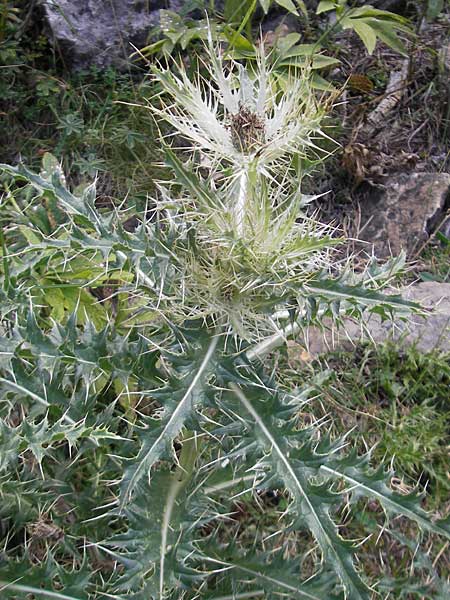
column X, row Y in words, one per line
column 317, row 61
column 366, row 33
column 369, row 11
column 30, row 235
column 325, row 6
column 319, row 83
column 302, row 6
column 388, row 36
column 239, row 42
column 301, row 50
column 434, row 8
column 288, row 5
column 285, row 43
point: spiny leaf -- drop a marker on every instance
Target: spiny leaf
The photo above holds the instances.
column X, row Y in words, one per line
column 23, row 591
column 153, row 548
column 188, row 180
column 372, row 484
column 53, row 187
column 359, row 295
column 184, row 398
column 19, row 580
column 310, row 501
column 277, row 576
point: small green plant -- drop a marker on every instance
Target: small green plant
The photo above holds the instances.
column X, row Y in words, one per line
column 9, row 18
column 286, row 54
column 436, row 261
column 126, row 446
column 236, row 27
column 368, row 23
column 240, row 14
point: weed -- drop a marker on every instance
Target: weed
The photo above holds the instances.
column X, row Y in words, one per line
column 139, row 428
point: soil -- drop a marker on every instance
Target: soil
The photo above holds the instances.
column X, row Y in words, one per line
column 413, row 136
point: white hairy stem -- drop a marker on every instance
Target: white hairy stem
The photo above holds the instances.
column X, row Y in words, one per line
column 272, row 341
column 175, row 489
column 239, row 211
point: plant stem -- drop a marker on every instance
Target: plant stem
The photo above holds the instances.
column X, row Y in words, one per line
column 272, row 342
column 186, row 465
column 188, row 457
column 325, row 34
column 240, row 205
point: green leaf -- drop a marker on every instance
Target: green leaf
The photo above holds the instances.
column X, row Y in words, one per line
column 372, row 484
column 299, row 49
column 54, row 187
column 325, row 6
column 9, row 444
column 23, row 591
column 388, row 36
column 285, row 43
column 184, row 397
column 380, row 15
column 288, row 5
column 20, row 580
column 319, row 83
column 366, row 33
column 360, row 295
column 279, row 576
column 317, row 61
column 239, row 42
column 265, row 5
column 310, row 501
column 189, row 180
column 434, row 8
column 302, row 6
column 156, row 547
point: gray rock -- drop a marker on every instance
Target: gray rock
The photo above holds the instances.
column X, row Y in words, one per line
column 101, row 32
column 427, row 333
column 403, row 214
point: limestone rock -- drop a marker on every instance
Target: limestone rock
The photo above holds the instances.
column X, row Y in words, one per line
column 101, row 32
column 430, row 332
column 404, row 212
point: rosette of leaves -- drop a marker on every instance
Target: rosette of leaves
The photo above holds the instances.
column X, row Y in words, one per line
column 129, row 442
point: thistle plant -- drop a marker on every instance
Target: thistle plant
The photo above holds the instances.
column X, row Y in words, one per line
column 131, row 442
